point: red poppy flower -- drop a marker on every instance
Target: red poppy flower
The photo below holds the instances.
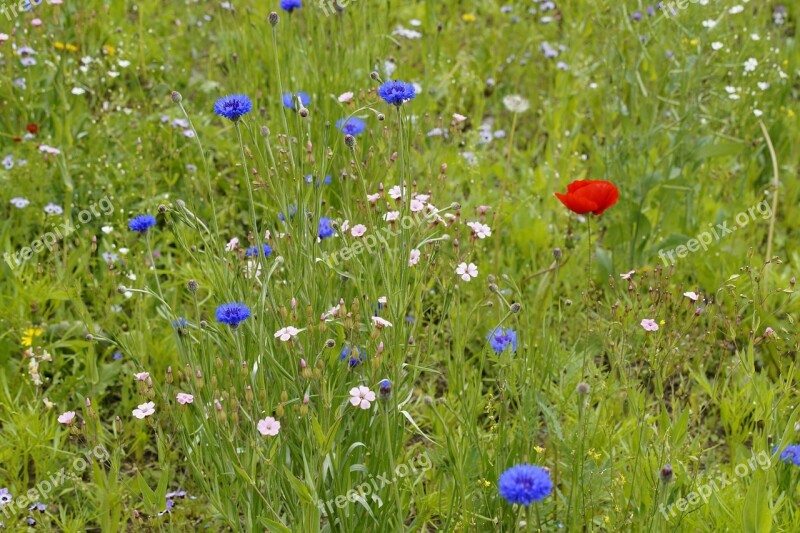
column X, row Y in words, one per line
column 32, row 128
column 589, row 196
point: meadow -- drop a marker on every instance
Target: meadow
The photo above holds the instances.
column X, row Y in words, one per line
column 286, row 265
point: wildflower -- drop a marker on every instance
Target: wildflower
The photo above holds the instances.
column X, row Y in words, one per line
column 500, row 339
column 142, row 223
column 66, row 418
column 691, row 295
column 268, row 427
column 516, row 103
column 253, row 250
column 396, row 92
column 716, row 45
column 289, row 99
column 391, row 216
column 627, row 275
column 354, row 355
column 750, row 65
column 414, row 257
column 585, row 196
column 467, row 272
column 5, row 497
column 233, row 107
column 351, row 126
column 38, row 507
column 385, row 389
column 144, row 410
column 286, row 334
column 142, row 376
column 790, row 454
column 291, row 5
column 184, row 398
column 380, row 323
column 480, row 230
column 345, row 98
column 358, row 230
column 666, row 473
column 232, row 244
column 233, row 313
column 53, row 209
column 396, row 193
column 649, row 324
column 361, row 397
column 29, row 335
column 525, row 484
column 325, row 230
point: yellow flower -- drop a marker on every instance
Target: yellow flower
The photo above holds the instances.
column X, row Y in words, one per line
column 108, row 49
column 29, row 335
column 790, row 113
column 71, row 48
column 538, row 449
column 694, row 42
column 59, row 45
column 468, row 17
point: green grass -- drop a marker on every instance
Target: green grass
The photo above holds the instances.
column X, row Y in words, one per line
column 590, row 395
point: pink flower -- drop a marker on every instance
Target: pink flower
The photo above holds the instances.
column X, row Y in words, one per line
column 627, row 275
column 416, row 206
column 459, row 118
column 268, row 427
column 184, row 398
column 391, row 216
column 361, row 396
column 358, row 230
column 768, row 331
column 345, row 225
column 232, row 244
column 142, row 376
column 649, row 324
column 481, row 231
column 287, row 333
column 691, row 295
column 144, row 410
column 414, row 257
column 395, row 193
column 372, row 198
column 346, row 97
column 467, row 272
column 67, row 418
column 36, row 22
column 380, row 323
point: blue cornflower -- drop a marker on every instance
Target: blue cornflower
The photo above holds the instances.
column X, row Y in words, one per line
column 180, row 323
column 500, row 339
column 310, row 179
column 233, row 107
column 233, row 313
column 385, row 389
column 351, row 126
column 354, row 356
column 117, row 356
column 790, row 454
column 290, row 5
column 325, row 229
column 289, row 99
column 253, row 250
column 396, row 92
column 142, row 223
column 525, row 484
column 38, row 507
column 292, row 213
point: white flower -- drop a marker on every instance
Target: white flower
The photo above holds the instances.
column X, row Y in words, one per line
column 757, row 112
column 107, row 229
column 77, row 91
column 459, row 118
column 268, row 427
column 736, row 9
column 755, row 36
column 232, row 244
column 763, row 85
column 144, row 410
column 750, row 65
column 627, row 275
column 20, row 202
column 123, row 63
column 408, row 34
column 66, row 418
column 361, row 396
column 287, row 333
column 467, row 272
column 346, row 97
column 516, row 103
column 380, row 323
column 414, row 257
column 710, row 23
column 691, row 295
column 716, row 45
column 480, row 230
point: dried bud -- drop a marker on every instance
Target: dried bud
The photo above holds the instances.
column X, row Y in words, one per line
column 176, row 97
column 330, row 343
column 515, row 307
column 169, row 375
column 557, row 253
column 273, row 18
column 162, row 209
column 303, row 112
column 349, row 141
column 374, row 75
column 121, row 289
column 192, row 285
column 381, row 117
column 264, row 131
column 582, row 388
